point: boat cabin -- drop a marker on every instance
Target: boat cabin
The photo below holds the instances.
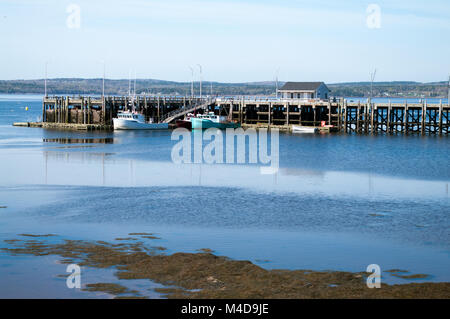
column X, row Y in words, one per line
column 214, row 118
column 130, row 116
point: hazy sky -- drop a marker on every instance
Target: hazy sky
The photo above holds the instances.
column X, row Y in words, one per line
column 234, row 41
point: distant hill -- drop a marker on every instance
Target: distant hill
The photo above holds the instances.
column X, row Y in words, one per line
column 377, row 83
column 391, row 89
column 75, row 86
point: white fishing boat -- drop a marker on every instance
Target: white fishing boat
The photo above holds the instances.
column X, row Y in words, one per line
column 132, row 120
column 136, row 121
column 304, row 129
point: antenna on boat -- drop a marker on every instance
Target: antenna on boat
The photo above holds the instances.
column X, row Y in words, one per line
column 134, row 83
column 129, row 82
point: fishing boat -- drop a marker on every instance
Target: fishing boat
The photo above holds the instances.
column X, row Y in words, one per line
column 304, row 129
column 211, row 120
column 186, row 122
column 135, row 121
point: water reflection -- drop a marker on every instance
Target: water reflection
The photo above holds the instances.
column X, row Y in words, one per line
column 69, row 140
column 106, row 169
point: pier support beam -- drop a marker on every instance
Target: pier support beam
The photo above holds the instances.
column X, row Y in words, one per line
column 345, row 116
column 89, row 111
column 329, row 113
column 287, row 112
column 270, row 114
column 405, row 119
column 388, row 123
column 372, row 114
column 358, row 117
column 423, row 119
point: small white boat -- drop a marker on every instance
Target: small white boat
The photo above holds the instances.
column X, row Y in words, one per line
column 304, row 129
column 136, row 121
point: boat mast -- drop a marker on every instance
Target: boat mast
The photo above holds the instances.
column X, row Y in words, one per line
column 129, row 82
column 134, row 83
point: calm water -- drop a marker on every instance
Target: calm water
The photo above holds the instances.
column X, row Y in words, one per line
column 338, row 202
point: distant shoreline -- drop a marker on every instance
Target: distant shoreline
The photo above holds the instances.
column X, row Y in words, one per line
column 75, row 86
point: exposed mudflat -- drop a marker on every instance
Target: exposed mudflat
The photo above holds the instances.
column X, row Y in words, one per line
column 205, row 275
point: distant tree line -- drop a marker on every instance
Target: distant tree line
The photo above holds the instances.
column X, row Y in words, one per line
column 75, row 86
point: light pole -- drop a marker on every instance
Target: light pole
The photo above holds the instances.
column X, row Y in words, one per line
column 45, row 81
column 200, row 67
column 276, row 82
column 192, row 82
column 134, row 93
column 103, row 81
column 372, row 78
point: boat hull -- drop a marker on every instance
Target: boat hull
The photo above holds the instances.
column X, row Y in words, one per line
column 205, row 124
column 304, row 129
column 120, row 124
column 184, row 124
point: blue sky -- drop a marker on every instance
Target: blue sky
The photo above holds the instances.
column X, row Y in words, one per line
column 234, row 41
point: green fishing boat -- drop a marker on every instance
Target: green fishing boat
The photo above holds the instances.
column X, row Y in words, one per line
column 211, row 120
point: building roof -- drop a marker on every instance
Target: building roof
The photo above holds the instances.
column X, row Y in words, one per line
column 301, row 86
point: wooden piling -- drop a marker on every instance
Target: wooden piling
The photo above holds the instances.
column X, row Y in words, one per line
column 287, row 112
column 405, row 118
column 372, row 114
column 359, row 117
column 388, row 123
column 423, row 119
column 345, row 116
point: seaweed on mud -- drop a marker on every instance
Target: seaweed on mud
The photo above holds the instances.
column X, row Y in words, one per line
column 111, row 288
column 205, row 275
